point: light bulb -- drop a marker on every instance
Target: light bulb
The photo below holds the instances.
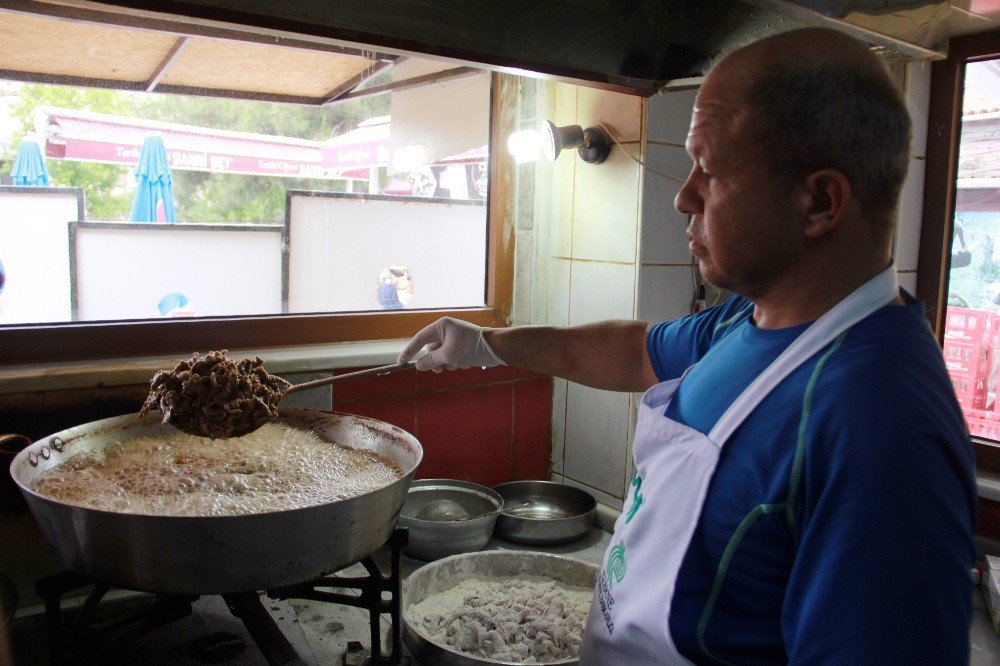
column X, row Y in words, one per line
column 549, row 141
column 524, row 145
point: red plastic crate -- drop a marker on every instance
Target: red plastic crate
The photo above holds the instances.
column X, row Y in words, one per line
column 969, row 326
column 971, row 352
column 986, row 428
column 962, row 358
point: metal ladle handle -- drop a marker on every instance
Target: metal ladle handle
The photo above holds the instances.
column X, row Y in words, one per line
column 370, row 372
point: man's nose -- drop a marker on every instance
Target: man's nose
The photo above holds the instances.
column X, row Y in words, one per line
column 687, row 200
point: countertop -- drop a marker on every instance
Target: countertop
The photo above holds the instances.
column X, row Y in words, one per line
column 320, row 631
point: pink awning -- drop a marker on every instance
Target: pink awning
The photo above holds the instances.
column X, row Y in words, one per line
column 114, row 139
column 97, row 137
column 361, row 148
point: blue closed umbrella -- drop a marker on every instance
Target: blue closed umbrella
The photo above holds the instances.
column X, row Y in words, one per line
column 154, row 196
column 29, row 169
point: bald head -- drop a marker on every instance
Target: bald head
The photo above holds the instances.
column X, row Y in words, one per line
column 805, row 49
column 820, row 99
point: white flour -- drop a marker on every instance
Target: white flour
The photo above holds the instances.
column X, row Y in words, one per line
column 526, row 619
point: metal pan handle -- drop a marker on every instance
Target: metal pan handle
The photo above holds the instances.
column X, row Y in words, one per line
column 380, row 370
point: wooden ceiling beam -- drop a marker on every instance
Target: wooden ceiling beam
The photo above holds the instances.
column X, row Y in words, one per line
column 69, row 80
column 140, row 86
column 247, row 95
column 161, row 69
column 395, row 86
column 362, row 78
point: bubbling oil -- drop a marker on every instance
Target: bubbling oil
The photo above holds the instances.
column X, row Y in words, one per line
column 275, row 468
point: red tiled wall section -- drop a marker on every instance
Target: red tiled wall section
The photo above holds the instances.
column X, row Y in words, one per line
column 485, row 426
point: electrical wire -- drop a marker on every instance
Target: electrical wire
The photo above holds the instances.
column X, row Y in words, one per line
column 636, row 159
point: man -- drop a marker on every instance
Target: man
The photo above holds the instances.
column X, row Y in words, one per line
column 804, row 486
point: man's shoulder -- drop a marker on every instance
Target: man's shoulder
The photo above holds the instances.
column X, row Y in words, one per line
column 887, row 378
column 895, row 339
column 674, row 345
column 710, row 322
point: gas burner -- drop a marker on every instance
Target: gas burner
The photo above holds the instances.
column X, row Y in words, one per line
column 82, row 634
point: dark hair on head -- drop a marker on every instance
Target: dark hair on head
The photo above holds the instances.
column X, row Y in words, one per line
column 809, row 116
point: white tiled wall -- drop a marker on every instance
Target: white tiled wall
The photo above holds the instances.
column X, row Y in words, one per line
column 663, row 239
column 601, row 290
column 916, row 81
column 609, row 246
column 586, row 270
column 911, row 203
column 597, row 437
column 664, row 292
column 665, row 284
column 670, row 116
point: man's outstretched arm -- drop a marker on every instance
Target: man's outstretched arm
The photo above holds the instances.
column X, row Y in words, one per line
column 607, row 355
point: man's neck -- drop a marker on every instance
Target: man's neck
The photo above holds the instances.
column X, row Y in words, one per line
column 804, row 296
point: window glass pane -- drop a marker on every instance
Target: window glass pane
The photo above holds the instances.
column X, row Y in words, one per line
column 118, row 205
column 972, row 325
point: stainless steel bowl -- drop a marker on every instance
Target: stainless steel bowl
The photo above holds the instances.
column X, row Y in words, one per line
column 447, row 516
column 443, row 575
column 543, row 513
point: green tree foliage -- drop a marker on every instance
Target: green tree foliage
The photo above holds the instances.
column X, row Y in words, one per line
column 199, row 196
column 989, row 268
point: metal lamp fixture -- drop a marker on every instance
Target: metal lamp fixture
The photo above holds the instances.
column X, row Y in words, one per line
column 593, row 144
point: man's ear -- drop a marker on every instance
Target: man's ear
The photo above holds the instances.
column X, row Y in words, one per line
column 829, row 194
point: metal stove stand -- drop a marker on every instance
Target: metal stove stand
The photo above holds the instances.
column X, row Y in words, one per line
column 82, row 634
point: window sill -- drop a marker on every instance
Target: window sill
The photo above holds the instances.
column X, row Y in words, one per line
column 131, row 371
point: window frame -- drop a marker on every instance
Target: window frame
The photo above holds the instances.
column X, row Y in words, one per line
column 944, row 124
column 77, row 341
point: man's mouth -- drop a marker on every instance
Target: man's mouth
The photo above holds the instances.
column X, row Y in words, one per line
column 694, row 247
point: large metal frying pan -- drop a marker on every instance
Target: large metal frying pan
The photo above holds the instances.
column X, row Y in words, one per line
column 218, row 554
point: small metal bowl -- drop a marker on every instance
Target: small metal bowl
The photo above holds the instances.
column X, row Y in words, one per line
column 446, row 517
column 543, row 513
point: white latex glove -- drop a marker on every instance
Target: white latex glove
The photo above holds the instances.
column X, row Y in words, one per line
column 451, row 343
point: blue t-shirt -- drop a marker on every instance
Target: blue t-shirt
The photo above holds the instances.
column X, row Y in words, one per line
column 838, row 525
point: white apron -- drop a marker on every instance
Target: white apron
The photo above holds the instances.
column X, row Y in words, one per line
column 629, row 618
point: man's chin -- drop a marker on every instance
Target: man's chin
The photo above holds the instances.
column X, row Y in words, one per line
column 713, row 279
column 706, row 271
